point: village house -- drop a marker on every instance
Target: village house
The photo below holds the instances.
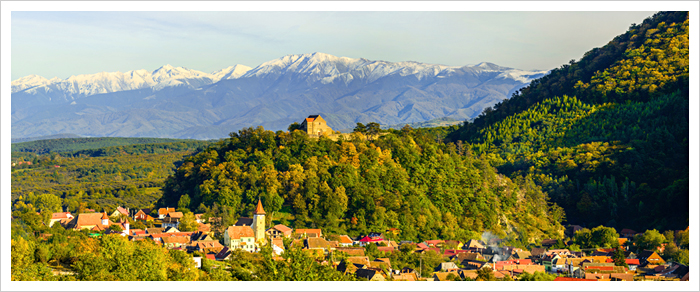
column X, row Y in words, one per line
column 241, row 237
column 61, row 218
column 648, row 257
column 95, row 222
column 279, row 230
column 172, row 220
column 143, row 216
column 164, row 211
column 175, row 241
column 120, row 211
column 344, row 241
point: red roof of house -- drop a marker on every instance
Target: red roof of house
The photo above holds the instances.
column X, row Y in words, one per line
column 282, row 228
column 61, row 215
column 422, row 245
column 345, row 239
column 369, row 239
column 434, row 241
column 632, row 261
column 211, row 256
column 104, row 216
column 571, row 279
column 451, row 252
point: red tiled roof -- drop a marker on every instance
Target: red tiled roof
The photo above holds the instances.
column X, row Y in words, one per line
column 282, row 228
column 345, row 239
column 61, row 215
column 123, row 211
column 211, row 256
column 632, row 261
column 104, row 216
column 236, row 232
column 175, row 215
column 166, row 210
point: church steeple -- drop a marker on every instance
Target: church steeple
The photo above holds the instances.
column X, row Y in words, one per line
column 259, row 223
column 259, row 209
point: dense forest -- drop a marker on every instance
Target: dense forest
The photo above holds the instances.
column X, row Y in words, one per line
column 103, row 178
column 403, row 179
column 605, row 137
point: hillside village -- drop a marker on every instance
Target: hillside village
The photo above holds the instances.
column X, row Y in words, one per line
column 368, row 257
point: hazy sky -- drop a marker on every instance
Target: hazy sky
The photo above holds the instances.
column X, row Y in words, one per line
column 61, row 44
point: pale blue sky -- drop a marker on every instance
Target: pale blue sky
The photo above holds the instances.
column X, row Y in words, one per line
column 61, row 44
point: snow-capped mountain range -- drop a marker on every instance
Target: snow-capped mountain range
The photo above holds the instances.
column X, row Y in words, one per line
column 273, row 94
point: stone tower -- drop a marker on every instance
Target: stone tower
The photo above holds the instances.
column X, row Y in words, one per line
column 259, row 223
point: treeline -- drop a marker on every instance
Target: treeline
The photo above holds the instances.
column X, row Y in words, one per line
column 106, row 146
column 403, row 179
column 605, row 137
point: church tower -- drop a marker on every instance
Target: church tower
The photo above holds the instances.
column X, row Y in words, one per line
column 259, row 223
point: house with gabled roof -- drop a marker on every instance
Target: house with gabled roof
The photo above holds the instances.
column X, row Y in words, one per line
column 99, row 222
column 240, row 237
column 371, row 275
column 344, row 241
column 208, row 246
column 61, row 216
column 120, row 211
column 473, row 244
column 164, row 211
column 223, row 254
column 279, row 230
column 647, row 257
column 143, row 216
column 175, row 241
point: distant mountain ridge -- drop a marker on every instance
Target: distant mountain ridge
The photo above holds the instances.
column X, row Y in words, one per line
column 178, row 102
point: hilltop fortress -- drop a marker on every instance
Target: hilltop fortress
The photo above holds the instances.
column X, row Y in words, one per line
column 316, row 126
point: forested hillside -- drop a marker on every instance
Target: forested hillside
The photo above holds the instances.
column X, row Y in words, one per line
column 606, row 137
column 404, row 179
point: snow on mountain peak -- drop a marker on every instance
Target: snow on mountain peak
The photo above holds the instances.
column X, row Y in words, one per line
column 313, row 67
column 230, row 72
